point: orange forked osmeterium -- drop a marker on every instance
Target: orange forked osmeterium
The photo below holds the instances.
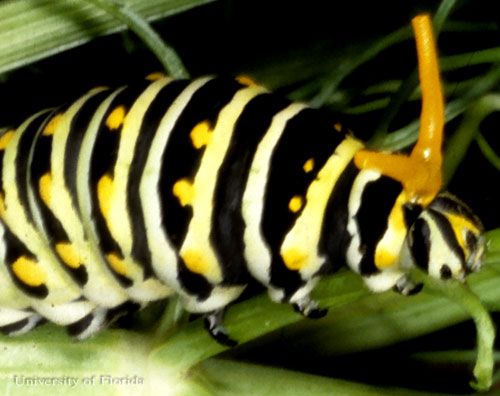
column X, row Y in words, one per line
column 419, row 172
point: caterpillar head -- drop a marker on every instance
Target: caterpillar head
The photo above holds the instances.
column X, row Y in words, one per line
column 447, row 239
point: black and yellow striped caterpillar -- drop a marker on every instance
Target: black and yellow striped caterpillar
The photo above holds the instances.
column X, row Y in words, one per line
column 195, row 186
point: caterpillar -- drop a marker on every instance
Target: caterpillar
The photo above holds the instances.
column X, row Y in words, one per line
column 195, row 187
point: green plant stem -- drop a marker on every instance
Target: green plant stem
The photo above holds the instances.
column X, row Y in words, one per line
column 358, row 320
column 460, row 294
column 489, row 55
column 247, row 321
column 170, row 318
column 351, row 63
column 354, row 313
column 368, row 107
column 493, row 238
column 469, row 129
column 488, row 151
column 466, row 356
column 165, row 54
column 249, row 379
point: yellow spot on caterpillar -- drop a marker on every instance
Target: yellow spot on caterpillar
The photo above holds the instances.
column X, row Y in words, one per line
column 117, row 264
column 338, row 127
column 296, row 203
column 201, row 135
column 51, row 126
column 308, row 165
column 195, row 261
column 155, row 76
column 45, row 188
column 28, row 271
column 246, row 80
column 2, row 206
column 384, row 259
column 184, row 191
column 294, row 258
column 5, row 139
column 104, row 193
column 116, row 117
column 68, row 254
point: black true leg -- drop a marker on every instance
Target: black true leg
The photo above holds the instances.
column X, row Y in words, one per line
column 407, row 287
column 309, row 308
column 213, row 323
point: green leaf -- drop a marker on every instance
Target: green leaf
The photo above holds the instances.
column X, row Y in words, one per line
column 354, row 313
column 249, row 379
column 469, row 128
column 35, row 29
column 488, row 151
column 47, row 361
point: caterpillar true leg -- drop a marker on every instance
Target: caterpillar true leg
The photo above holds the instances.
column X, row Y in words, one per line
column 407, row 287
column 214, row 324
column 309, row 308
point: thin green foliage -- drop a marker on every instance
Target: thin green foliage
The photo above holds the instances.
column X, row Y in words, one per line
column 461, row 295
column 352, row 61
column 240, row 378
column 31, row 30
column 353, row 312
column 469, row 130
column 350, row 64
column 488, row 151
column 165, row 53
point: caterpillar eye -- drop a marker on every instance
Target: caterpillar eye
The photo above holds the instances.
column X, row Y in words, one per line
column 445, row 272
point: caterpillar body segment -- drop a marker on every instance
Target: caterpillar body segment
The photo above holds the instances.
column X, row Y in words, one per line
column 50, row 187
column 197, row 186
column 16, row 316
column 31, row 267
